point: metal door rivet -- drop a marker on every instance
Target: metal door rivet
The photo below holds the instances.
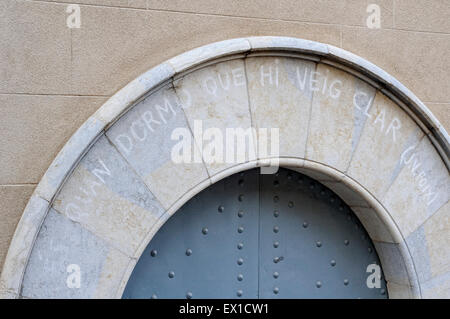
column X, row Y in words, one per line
column 282, row 199
column 154, row 296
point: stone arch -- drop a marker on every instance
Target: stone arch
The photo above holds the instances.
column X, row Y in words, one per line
column 341, row 120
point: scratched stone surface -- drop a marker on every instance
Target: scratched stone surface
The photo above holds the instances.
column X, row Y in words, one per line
column 421, row 188
column 280, row 97
column 217, row 96
column 62, row 242
column 337, row 116
column 106, row 196
column 143, row 137
column 436, row 230
column 387, row 133
column 429, row 246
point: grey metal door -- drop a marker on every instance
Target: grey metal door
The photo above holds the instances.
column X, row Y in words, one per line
column 259, row 236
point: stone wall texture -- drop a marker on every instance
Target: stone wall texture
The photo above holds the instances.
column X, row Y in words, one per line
column 52, row 78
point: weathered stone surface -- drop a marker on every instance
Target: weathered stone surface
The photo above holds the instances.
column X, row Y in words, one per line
column 22, row 244
column 318, row 176
column 131, row 93
column 429, row 246
column 387, row 133
column 115, row 45
column 144, row 137
column 215, row 99
column 441, row 111
column 67, row 157
column 280, row 98
column 114, row 3
column 422, row 15
column 416, row 243
column 61, row 243
column 437, row 288
column 205, row 53
column 347, row 194
column 109, row 199
column 420, row 188
column 376, row 228
column 31, row 142
column 6, row 294
column 265, row 43
column 349, row 12
column 392, row 263
column 424, row 71
column 337, row 116
column 35, row 47
column 111, row 276
column 437, row 234
column 397, row 291
column 13, row 200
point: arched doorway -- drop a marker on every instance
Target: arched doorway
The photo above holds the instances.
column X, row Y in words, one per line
column 260, row 236
column 343, row 121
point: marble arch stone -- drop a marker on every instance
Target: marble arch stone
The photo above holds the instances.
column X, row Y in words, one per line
column 342, row 120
